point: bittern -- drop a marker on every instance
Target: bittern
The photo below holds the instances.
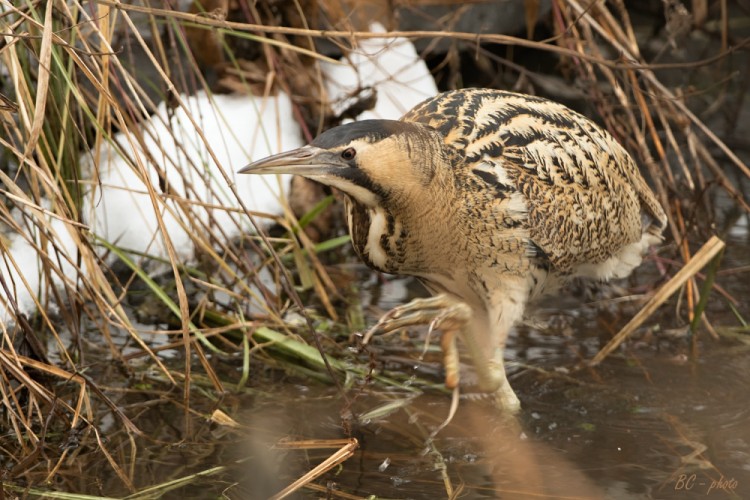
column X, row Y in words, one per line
column 490, row 199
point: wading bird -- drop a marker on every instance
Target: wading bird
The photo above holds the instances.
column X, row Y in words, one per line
column 489, row 198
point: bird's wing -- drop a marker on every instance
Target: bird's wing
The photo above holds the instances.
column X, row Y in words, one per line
column 573, row 176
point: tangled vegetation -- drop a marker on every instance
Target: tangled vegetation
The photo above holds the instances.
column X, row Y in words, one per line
column 117, row 332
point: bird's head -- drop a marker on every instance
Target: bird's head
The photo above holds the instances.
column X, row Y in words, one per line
column 371, row 161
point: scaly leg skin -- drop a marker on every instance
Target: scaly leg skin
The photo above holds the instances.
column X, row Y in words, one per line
column 451, row 361
column 454, row 317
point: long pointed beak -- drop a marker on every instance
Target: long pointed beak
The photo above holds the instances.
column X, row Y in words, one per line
column 307, row 160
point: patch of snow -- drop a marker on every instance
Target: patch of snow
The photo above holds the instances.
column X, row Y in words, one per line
column 21, row 267
column 739, row 229
column 239, row 129
column 389, row 65
column 119, row 209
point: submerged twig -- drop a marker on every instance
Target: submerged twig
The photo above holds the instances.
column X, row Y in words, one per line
column 702, row 257
column 346, row 450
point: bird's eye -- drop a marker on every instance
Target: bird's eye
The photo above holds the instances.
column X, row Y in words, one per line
column 349, row 154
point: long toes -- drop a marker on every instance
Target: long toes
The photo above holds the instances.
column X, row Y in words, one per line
column 434, row 311
column 414, row 315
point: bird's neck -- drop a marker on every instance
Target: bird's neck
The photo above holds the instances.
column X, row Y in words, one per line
column 411, row 235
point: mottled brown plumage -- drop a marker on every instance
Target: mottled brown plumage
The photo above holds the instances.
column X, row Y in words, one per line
column 490, row 198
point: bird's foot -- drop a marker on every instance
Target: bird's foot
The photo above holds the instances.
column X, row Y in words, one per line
column 427, row 311
column 505, row 398
column 439, row 312
column 493, row 380
column 452, row 316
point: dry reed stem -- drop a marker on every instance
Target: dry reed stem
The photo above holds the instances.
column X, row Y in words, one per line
column 346, row 450
column 172, row 253
column 45, row 56
column 121, row 101
column 331, row 493
column 647, row 73
column 702, row 257
column 287, row 282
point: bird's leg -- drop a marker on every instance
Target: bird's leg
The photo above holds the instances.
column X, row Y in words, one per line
column 504, row 395
column 484, row 342
column 440, row 311
column 490, row 370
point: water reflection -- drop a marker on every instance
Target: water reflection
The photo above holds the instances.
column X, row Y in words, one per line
column 626, row 435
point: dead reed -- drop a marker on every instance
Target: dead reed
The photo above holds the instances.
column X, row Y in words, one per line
column 79, row 77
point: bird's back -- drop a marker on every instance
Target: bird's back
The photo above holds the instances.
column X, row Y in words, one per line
column 587, row 209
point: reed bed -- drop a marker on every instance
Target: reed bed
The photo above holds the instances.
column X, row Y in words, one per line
column 78, row 77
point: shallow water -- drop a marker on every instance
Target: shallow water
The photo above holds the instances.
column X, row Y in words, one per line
column 651, row 421
column 648, row 426
column 674, row 437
